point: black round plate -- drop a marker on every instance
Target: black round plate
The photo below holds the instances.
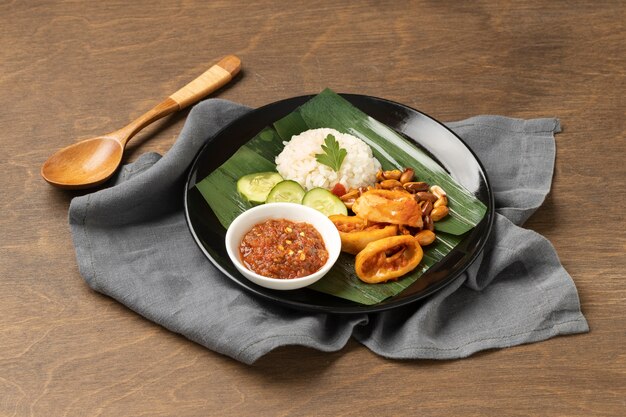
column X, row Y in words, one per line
column 422, row 130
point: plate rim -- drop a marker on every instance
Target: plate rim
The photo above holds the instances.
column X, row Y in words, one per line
column 355, row 308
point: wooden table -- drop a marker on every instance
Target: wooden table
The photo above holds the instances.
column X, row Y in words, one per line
column 71, row 70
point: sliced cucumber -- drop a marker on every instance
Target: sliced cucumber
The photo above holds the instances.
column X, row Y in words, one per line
column 286, row 192
column 256, row 187
column 323, row 200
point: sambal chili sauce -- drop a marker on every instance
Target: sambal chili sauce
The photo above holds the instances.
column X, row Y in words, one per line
column 283, row 249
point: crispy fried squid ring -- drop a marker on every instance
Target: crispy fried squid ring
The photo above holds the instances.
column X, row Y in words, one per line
column 388, row 258
column 356, row 232
column 389, row 206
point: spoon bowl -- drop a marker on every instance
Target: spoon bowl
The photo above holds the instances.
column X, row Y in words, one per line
column 93, row 161
column 84, row 164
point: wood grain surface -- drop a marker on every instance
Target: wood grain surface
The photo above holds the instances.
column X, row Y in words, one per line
column 70, row 70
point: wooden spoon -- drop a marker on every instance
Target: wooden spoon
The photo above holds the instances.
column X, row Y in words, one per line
column 93, row 161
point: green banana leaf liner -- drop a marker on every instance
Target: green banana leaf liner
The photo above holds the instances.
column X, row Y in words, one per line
column 328, row 109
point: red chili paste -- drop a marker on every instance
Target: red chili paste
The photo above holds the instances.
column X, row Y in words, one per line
column 283, row 249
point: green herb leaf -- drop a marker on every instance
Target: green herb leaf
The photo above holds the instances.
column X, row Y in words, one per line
column 333, row 155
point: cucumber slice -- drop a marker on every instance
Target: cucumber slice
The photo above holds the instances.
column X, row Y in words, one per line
column 286, row 192
column 323, row 200
column 256, row 187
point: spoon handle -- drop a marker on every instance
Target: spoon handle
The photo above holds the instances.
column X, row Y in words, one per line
column 209, row 81
column 212, row 79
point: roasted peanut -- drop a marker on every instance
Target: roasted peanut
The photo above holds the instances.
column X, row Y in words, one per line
column 390, row 184
column 441, row 201
column 437, row 190
column 415, row 187
column 394, row 174
column 379, row 175
column 425, row 195
column 407, row 176
column 426, row 206
column 439, row 213
column 425, row 237
column 428, row 223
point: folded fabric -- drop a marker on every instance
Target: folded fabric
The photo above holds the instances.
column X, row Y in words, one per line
column 132, row 244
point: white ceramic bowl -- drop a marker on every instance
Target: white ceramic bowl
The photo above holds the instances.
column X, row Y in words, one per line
column 289, row 211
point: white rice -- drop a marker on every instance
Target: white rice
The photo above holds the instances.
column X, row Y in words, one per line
column 297, row 161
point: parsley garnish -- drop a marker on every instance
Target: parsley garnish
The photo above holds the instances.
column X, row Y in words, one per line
column 333, row 155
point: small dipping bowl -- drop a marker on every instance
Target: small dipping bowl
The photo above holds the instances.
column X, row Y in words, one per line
column 287, row 211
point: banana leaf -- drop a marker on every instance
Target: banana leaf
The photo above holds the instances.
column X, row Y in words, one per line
column 328, row 109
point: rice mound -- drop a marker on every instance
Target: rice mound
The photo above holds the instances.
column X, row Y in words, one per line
column 297, row 161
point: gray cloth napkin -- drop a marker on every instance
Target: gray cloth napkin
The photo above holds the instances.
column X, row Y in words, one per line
column 132, row 244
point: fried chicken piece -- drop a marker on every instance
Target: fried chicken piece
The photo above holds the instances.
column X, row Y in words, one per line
column 389, row 206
